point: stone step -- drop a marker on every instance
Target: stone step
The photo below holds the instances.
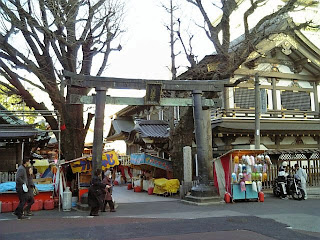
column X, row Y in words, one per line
column 202, row 200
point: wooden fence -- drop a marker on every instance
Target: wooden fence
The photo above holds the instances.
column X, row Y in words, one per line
column 312, row 169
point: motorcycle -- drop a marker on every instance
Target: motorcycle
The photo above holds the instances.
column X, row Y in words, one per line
column 288, row 186
column 295, row 189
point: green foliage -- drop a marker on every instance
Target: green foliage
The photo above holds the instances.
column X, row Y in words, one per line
column 14, row 102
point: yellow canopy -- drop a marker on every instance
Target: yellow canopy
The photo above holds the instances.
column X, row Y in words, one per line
column 41, row 165
column 163, row 185
column 109, row 159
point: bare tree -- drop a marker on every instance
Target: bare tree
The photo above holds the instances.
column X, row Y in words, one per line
column 42, row 38
column 231, row 58
column 170, row 10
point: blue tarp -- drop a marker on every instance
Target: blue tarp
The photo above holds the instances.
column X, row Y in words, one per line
column 142, row 158
column 11, row 186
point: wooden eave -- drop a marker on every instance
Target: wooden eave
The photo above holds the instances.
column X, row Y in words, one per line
column 284, row 126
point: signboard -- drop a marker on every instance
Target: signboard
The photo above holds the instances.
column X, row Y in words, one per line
column 109, row 159
column 264, row 99
column 153, row 94
column 142, row 158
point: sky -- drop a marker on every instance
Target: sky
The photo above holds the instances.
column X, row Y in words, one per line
column 146, row 47
column 145, row 50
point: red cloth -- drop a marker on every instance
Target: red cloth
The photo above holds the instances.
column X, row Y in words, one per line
column 121, row 169
column 225, row 161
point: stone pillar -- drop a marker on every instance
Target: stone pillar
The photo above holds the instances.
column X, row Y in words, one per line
column 203, row 189
column 98, row 129
column 209, row 157
column 187, row 164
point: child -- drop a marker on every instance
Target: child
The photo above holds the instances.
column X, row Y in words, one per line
column 108, row 197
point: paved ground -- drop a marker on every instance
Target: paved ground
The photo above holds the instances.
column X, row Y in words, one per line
column 168, row 218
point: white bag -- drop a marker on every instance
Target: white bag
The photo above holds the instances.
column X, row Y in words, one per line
column 259, row 186
column 24, row 187
column 254, row 186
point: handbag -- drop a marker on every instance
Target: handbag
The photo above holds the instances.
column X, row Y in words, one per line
column 35, row 191
column 24, row 187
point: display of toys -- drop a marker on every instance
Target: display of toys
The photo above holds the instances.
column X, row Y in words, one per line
column 254, row 176
column 234, row 177
column 236, row 166
column 259, row 159
column 265, row 167
column 264, row 177
column 252, row 160
column 245, row 177
column 248, row 160
column 249, row 169
column 240, row 175
column 249, row 177
column 259, row 186
column 242, row 186
column 268, row 160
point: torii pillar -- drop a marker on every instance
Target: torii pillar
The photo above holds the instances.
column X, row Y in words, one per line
column 203, row 189
column 98, row 129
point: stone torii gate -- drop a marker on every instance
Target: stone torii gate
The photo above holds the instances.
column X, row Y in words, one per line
column 153, row 97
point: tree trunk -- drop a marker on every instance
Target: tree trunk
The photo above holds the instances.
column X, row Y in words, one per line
column 182, row 136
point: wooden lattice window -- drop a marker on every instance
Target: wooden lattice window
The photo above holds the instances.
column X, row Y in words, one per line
column 245, row 98
column 295, row 100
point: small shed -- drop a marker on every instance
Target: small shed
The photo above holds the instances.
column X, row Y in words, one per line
column 16, row 138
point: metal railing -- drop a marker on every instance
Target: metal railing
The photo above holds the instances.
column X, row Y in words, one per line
column 185, row 187
column 250, row 113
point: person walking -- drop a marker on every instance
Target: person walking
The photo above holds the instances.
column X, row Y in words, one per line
column 302, row 175
column 108, row 197
column 96, row 193
column 22, row 187
column 30, row 195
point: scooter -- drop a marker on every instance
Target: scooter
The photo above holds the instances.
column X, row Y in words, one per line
column 280, row 187
column 288, row 186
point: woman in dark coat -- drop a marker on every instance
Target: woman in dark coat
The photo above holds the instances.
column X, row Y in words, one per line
column 96, row 193
column 30, row 196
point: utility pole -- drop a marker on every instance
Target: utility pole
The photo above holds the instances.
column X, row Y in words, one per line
column 257, row 112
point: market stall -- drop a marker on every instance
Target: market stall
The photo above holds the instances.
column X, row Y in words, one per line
column 241, row 173
column 153, row 174
column 83, row 167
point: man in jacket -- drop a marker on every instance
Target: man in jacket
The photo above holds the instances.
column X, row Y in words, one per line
column 302, row 175
column 21, row 178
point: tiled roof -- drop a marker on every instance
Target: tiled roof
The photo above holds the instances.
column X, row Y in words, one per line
column 7, row 117
column 153, row 128
column 11, row 127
